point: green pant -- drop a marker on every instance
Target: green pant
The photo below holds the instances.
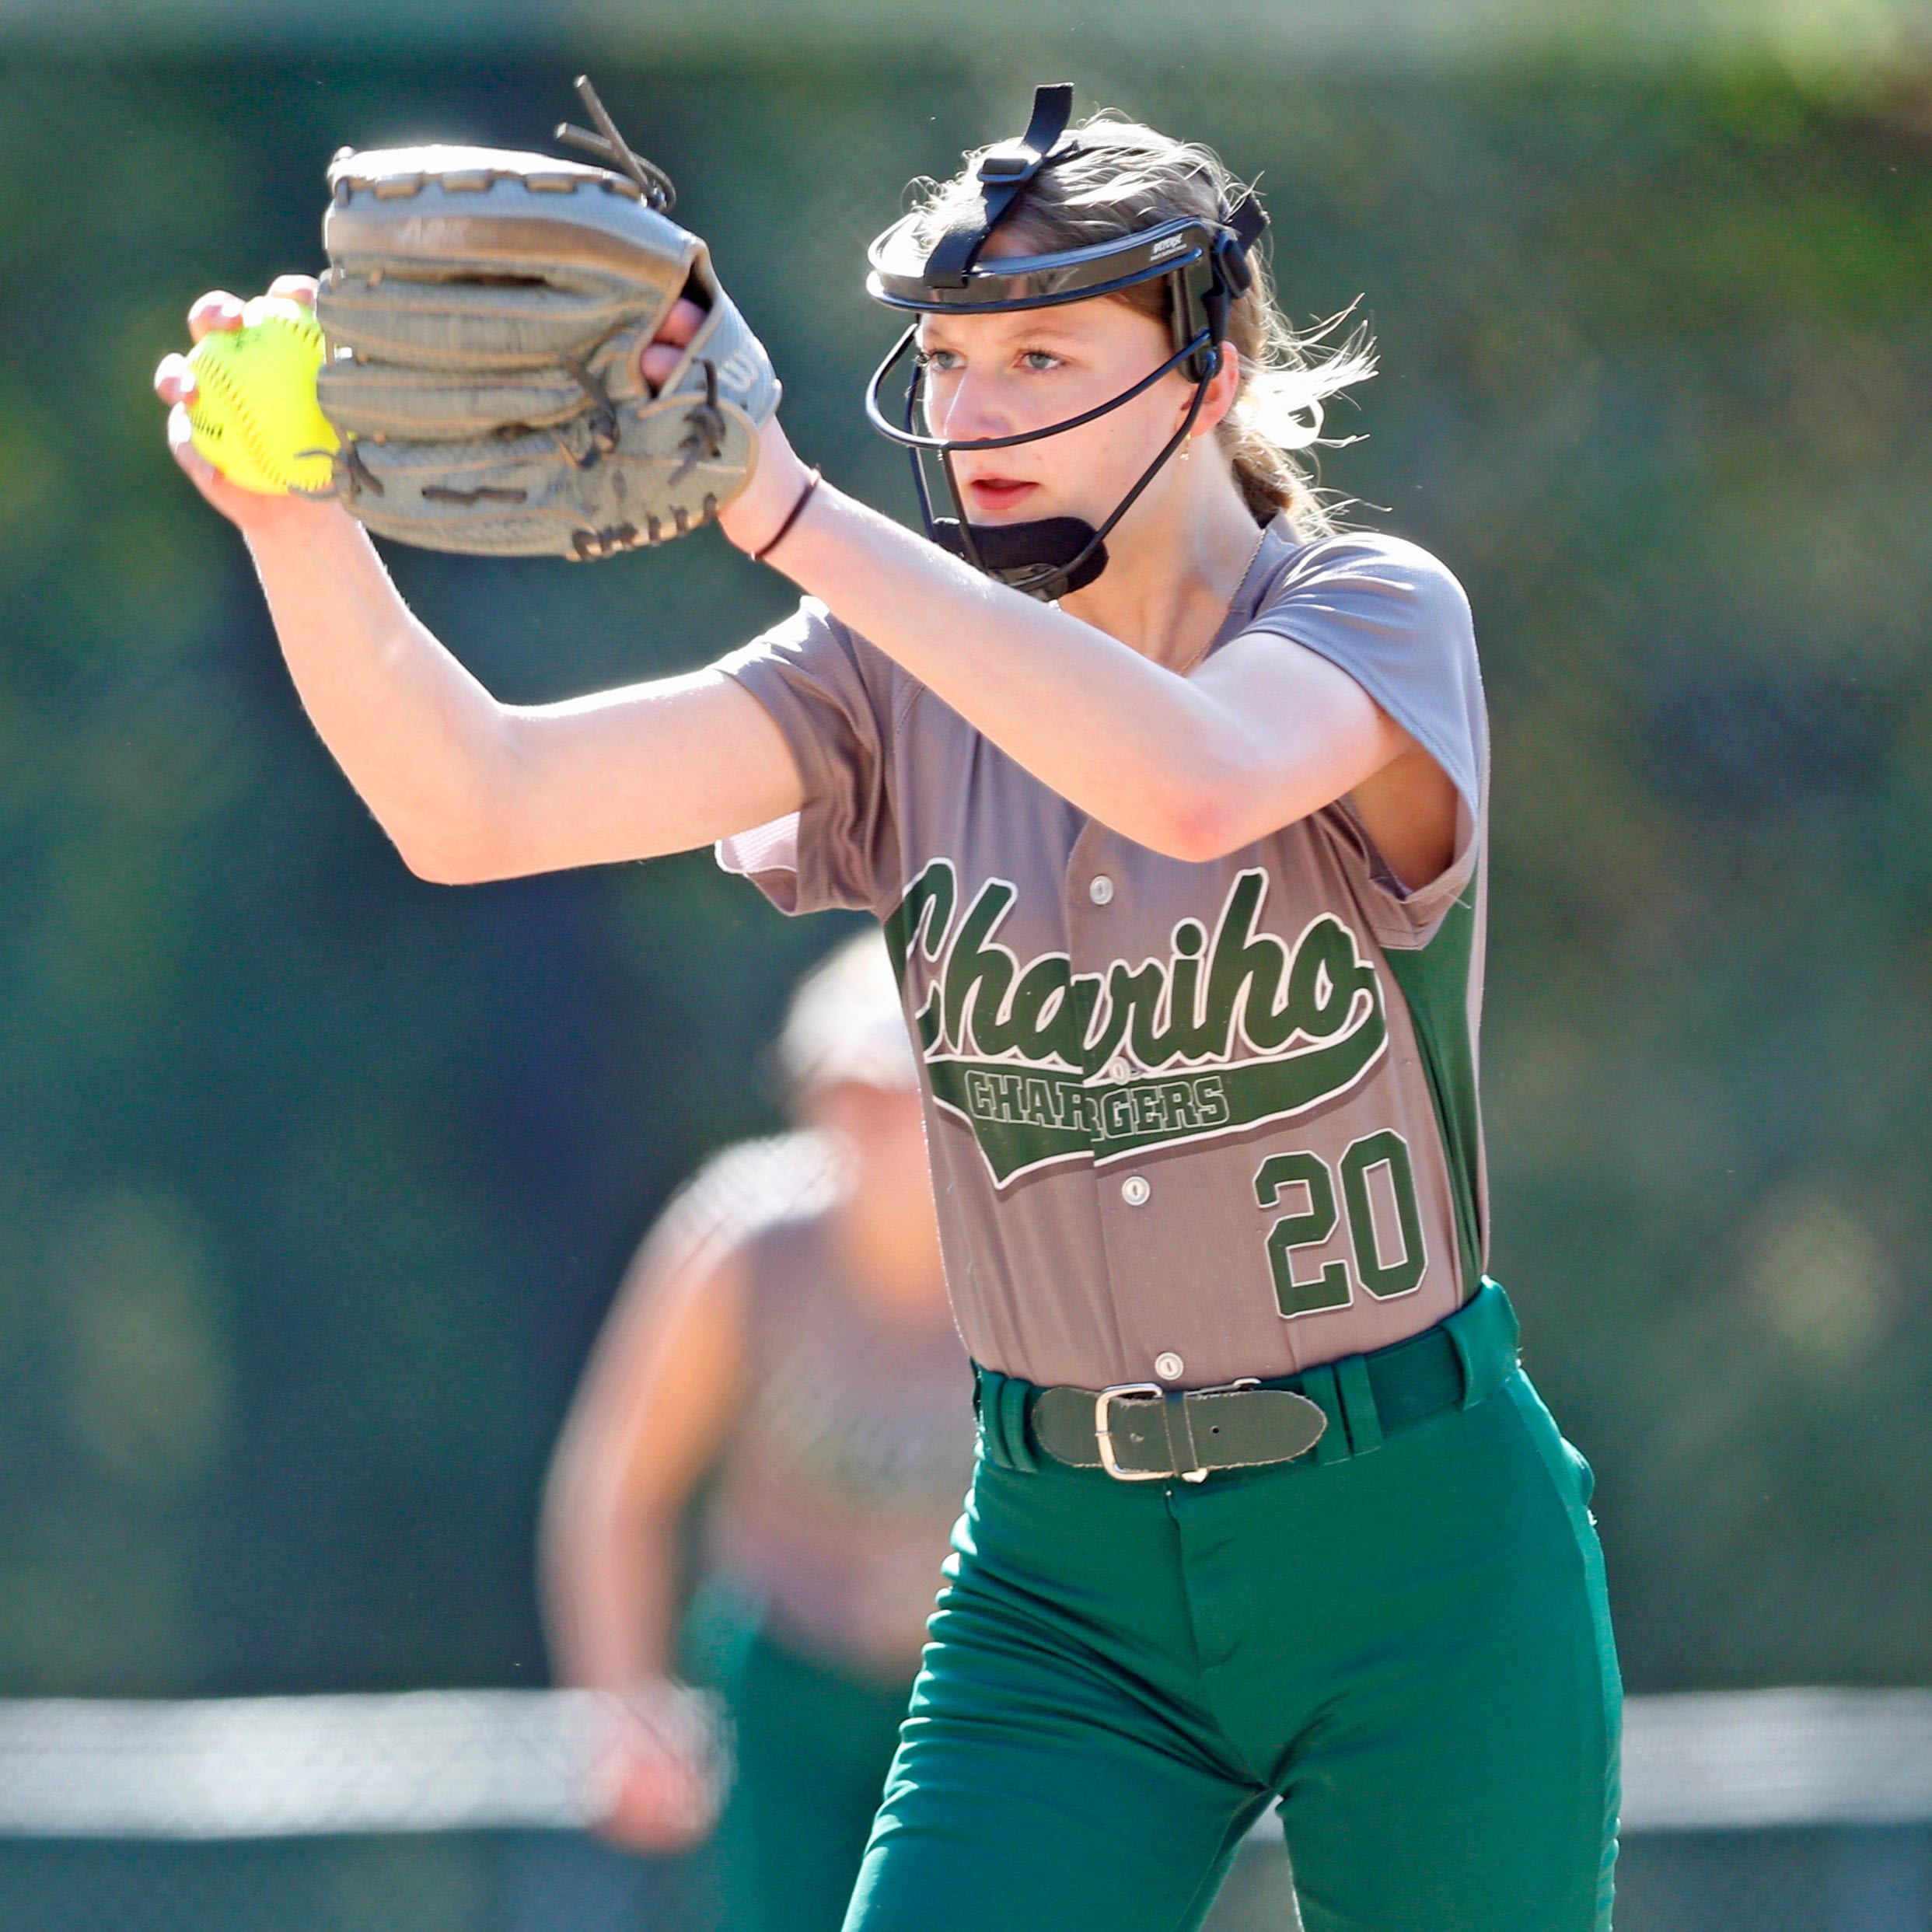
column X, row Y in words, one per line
column 813, row 1744
column 1409, row 1648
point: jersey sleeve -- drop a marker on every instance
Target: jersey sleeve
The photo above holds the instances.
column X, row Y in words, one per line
column 830, row 696
column 1394, row 619
column 752, row 1184
column 740, row 1193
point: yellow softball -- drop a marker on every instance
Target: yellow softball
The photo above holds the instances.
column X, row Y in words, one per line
column 254, row 414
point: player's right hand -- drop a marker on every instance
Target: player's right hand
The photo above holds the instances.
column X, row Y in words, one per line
column 250, row 510
column 661, row 1772
column 666, row 348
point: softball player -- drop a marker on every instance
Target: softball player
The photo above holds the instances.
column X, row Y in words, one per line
column 1172, row 802
column 783, row 1343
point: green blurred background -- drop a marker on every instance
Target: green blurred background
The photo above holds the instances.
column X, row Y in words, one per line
column 314, row 1179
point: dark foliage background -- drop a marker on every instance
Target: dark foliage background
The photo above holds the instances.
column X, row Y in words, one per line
column 314, row 1180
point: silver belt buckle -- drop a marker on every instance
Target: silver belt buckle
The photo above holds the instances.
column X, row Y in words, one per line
column 1102, row 1402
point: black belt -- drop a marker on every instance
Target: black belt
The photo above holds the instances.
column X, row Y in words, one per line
column 1141, row 1432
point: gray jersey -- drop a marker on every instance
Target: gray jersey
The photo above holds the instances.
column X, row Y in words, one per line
column 1188, row 1121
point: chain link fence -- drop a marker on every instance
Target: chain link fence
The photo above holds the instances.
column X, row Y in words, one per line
column 455, row 1811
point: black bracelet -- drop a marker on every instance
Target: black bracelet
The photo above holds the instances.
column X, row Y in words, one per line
column 785, row 528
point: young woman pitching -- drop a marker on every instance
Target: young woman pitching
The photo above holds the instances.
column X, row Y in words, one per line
column 1172, row 800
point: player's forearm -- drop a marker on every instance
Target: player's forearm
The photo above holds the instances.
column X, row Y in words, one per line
column 421, row 739
column 1122, row 737
column 610, row 1586
column 471, row 789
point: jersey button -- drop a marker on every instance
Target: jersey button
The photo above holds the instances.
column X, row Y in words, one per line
column 1100, row 889
column 1134, row 1190
column 1117, row 1067
column 1169, row 1366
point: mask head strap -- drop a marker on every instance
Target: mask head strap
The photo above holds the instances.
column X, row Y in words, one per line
column 1246, row 222
column 1003, row 173
column 1230, row 275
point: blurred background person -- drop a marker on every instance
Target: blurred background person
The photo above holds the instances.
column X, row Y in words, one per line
column 780, row 1358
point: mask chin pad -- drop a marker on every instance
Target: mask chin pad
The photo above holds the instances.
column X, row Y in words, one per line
column 1032, row 557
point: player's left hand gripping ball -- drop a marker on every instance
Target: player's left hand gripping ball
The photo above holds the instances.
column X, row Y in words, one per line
column 254, row 414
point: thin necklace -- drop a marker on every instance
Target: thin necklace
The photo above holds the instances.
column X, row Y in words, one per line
column 1193, row 663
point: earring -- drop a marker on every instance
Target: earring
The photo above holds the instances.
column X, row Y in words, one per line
column 1187, row 448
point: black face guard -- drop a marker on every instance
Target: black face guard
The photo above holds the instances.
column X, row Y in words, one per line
column 1205, row 266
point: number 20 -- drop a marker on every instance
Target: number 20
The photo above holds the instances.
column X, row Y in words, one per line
column 1331, row 1288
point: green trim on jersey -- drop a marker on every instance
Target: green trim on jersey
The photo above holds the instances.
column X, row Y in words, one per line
column 1434, row 980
